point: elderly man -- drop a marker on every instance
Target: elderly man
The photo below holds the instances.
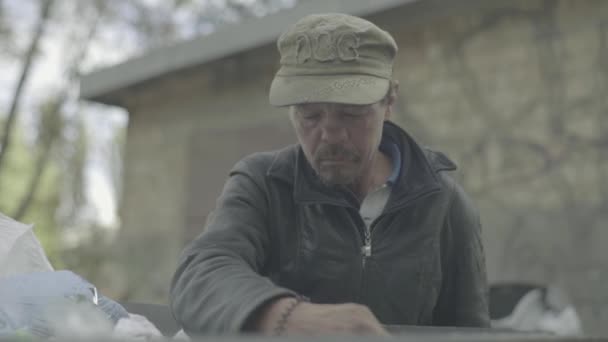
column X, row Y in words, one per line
column 355, row 227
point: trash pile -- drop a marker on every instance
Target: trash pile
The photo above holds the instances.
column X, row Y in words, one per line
column 39, row 302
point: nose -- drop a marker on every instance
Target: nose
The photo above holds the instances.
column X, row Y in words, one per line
column 332, row 130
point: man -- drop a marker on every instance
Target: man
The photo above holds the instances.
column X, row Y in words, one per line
column 354, row 228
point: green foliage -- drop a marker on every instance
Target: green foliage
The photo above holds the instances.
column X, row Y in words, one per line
column 43, row 174
column 14, row 183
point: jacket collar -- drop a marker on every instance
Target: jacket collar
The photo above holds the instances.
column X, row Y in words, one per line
column 418, row 173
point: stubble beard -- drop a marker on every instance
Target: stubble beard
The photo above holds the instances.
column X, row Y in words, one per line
column 344, row 173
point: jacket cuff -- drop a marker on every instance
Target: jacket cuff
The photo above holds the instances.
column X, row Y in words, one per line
column 257, row 302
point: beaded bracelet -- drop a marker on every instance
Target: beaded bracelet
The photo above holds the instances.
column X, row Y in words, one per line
column 280, row 328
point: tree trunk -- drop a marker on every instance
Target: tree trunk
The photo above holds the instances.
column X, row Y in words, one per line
column 45, row 13
column 73, row 74
column 40, row 167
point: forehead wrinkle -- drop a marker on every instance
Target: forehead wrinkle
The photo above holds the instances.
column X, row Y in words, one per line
column 331, row 107
column 310, row 107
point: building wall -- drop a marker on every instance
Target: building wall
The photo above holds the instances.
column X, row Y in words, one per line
column 515, row 94
column 513, row 91
column 184, row 135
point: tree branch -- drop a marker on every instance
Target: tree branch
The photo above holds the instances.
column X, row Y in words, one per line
column 34, row 182
column 73, row 73
column 45, row 13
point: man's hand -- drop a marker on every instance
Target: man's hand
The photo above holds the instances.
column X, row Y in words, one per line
column 320, row 319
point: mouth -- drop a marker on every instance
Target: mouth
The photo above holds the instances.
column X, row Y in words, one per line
column 332, row 162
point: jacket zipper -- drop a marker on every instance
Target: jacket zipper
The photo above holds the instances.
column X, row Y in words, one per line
column 366, row 252
column 366, row 248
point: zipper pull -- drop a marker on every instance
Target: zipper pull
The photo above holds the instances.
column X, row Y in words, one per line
column 366, row 250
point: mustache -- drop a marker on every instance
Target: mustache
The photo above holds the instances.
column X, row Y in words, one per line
column 336, row 152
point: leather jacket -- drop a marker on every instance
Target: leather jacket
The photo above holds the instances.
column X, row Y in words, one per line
column 278, row 231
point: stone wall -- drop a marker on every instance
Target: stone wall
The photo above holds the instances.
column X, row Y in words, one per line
column 516, row 95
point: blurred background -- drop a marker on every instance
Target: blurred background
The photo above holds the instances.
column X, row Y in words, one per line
column 119, row 121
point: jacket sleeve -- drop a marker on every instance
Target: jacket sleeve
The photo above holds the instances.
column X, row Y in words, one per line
column 463, row 300
column 217, row 284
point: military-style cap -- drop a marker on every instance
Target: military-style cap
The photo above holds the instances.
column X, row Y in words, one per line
column 333, row 58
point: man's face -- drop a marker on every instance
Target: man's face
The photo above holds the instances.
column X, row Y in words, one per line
column 339, row 141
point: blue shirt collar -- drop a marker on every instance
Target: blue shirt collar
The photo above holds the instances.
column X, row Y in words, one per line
column 392, row 150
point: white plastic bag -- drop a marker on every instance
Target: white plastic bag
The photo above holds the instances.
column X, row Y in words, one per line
column 136, row 327
column 20, row 250
column 543, row 311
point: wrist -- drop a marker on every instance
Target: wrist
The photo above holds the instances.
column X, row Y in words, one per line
column 281, row 324
column 270, row 314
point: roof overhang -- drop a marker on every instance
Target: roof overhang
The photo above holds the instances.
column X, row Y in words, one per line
column 107, row 85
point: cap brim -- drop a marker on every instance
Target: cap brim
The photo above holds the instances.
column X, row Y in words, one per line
column 347, row 89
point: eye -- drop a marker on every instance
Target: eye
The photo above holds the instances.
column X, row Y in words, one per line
column 310, row 116
column 349, row 115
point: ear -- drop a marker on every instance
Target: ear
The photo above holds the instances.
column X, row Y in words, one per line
column 391, row 98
